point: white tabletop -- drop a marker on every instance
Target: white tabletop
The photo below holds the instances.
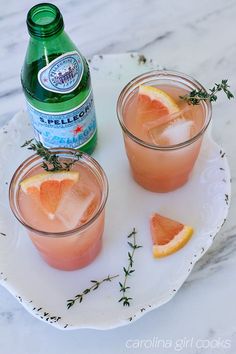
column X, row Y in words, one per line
column 194, row 37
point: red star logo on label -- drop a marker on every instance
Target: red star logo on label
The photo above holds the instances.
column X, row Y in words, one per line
column 77, row 130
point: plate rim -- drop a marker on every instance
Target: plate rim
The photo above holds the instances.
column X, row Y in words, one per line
column 29, row 305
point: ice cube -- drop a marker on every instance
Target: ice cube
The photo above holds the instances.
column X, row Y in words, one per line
column 175, row 132
column 76, row 206
column 166, row 119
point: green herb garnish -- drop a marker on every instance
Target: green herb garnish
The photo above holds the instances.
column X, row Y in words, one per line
column 123, row 287
column 94, row 286
column 51, row 161
column 196, row 96
column 129, row 270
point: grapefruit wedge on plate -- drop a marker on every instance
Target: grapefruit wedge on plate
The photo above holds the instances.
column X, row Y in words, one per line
column 168, row 235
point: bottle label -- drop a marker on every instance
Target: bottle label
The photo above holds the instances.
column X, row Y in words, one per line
column 71, row 129
column 63, row 74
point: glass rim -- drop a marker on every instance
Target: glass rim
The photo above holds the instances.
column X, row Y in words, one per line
column 33, row 158
column 162, row 74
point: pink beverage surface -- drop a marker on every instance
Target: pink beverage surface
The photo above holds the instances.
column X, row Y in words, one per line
column 76, row 207
column 149, row 129
column 162, row 171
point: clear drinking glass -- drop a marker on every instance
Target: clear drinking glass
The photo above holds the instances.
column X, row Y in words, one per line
column 74, row 248
column 155, row 167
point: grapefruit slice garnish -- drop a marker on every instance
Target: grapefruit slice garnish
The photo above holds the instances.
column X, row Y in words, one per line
column 155, row 106
column 168, row 235
column 48, row 188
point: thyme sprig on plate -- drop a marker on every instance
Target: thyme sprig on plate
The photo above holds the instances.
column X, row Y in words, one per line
column 95, row 285
column 129, row 269
column 196, row 96
column 51, row 161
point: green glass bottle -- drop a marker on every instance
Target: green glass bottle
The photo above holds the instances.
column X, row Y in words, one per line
column 56, row 82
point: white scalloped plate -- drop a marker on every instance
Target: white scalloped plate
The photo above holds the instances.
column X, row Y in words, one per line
column 203, row 202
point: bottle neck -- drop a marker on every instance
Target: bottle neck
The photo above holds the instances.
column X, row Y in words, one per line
column 49, row 47
column 47, row 41
column 47, row 37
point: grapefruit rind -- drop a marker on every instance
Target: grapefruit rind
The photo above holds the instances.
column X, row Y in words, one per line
column 159, row 95
column 178, row 242
column 37, row 180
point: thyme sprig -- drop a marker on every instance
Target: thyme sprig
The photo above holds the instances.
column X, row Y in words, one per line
column 51, row 161
column 95, row 285
column 129, row 270
column 196, row 96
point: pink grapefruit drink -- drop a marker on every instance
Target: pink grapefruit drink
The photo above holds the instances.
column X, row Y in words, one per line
column 162, row 132
column 62, row 211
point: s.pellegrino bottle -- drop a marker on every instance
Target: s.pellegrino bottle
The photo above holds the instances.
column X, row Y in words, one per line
column 56, row 82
